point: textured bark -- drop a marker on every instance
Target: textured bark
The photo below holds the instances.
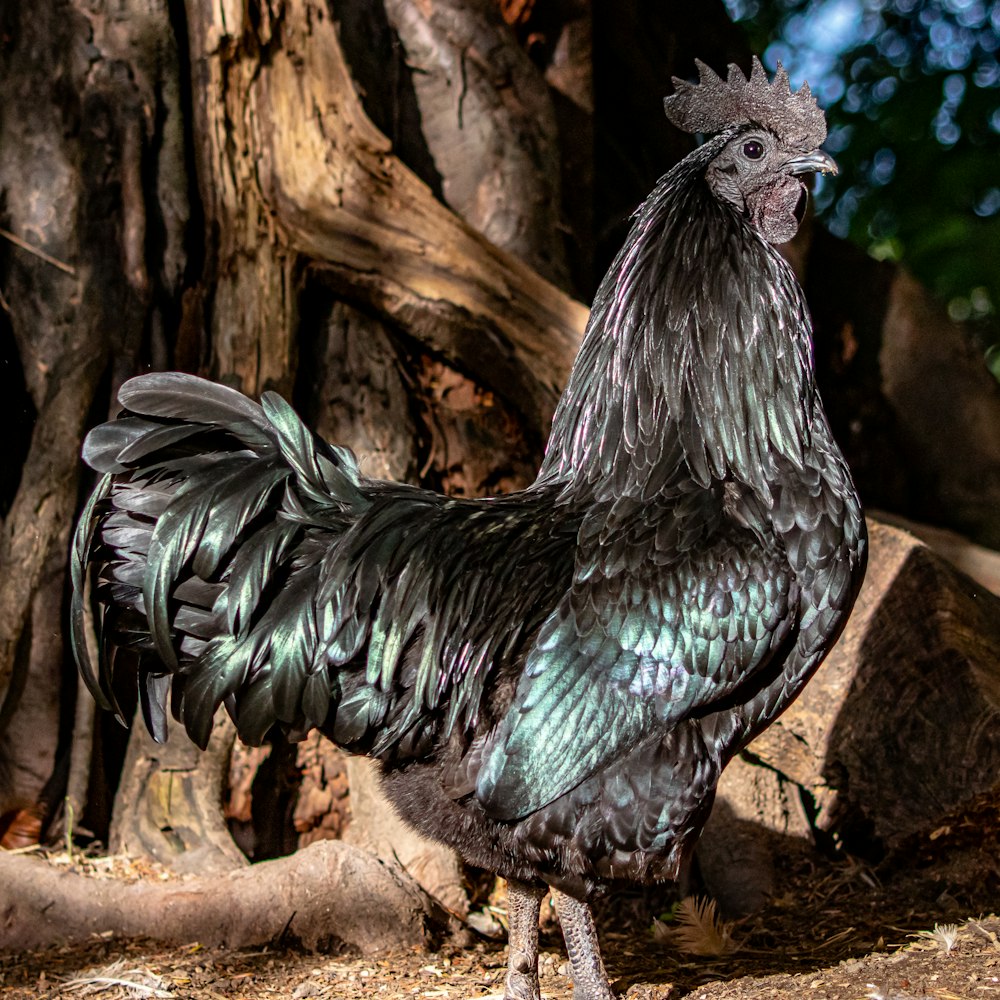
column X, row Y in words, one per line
column 323, row 806
column 905, row 711
column 570, row 75
column 71, row 139
column 249, row 279
column 376, row 231
column 169, row 802
column 356, row 391
column 899, row 728
column 489, row 125
column 42, row 905
column 29, row 761
column 976, row 561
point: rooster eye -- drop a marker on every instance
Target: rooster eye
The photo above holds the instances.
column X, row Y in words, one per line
column 753, row 150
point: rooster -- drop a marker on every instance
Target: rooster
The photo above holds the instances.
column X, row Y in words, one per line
column 551, row 681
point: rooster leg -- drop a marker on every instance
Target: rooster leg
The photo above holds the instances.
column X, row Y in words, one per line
column 590, row 981
column 524, row 901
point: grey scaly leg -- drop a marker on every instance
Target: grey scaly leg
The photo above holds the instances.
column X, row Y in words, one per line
column 523, row 903
column 590, row 981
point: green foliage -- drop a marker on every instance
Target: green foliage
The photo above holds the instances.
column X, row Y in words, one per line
column 912, row 91
column 993, row 361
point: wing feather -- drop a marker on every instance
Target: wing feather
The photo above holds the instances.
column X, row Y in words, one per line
column 596, row 683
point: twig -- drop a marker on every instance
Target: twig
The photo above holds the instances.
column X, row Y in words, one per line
column 37, row 251
column 27, row 849
column 138, row 982
column 70, row 816
column 989, row 935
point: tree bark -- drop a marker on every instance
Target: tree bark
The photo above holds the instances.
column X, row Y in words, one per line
column 169, row 803
column 26, row 775
column 70, row 147
column 489, row 125
column 291, row 161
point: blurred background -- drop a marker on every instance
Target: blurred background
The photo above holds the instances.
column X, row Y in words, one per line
column 912, row 92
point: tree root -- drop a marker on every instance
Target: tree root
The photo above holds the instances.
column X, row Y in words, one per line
column 327, row 182
column 326, row 893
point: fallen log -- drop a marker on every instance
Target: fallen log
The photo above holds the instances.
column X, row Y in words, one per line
column 325, row 894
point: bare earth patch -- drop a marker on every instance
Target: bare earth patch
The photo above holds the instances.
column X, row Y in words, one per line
column 909, row 928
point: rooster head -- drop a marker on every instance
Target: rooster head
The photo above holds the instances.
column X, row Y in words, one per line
column 769, row 136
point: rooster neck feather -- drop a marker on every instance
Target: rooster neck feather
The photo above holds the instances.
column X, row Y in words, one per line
column 697, row 360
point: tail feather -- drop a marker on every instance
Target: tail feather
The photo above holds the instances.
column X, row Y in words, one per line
column 222, row 670
column 248, row 563
column 251, row 570
column 253, row 711
column 153, row 694
column 115, row 446
column 201, row 558
column 290, row 622
column 83, row 540
column 127, row 538
column 322, row 477
column 399, row 616
column 200, row 623
column 198, row 527
column 149, row 502
column 235, row 506
column 317, row 703
column 172, row 395
column 154, row 440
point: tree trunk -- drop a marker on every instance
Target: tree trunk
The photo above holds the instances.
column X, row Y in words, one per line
column 71, row 142
column 489, row 125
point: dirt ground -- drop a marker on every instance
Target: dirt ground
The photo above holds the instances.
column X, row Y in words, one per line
column 919, row 924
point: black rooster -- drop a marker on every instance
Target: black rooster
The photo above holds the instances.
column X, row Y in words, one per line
column 552, row 681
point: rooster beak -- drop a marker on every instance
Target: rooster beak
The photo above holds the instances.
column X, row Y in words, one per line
column 814, row 162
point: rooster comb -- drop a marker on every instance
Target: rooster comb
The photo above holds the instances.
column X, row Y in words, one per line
column 713, row 104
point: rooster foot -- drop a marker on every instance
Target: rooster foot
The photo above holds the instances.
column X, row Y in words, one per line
column 524, row 900
column 590, row 981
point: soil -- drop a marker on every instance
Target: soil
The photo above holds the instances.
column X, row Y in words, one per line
column 910, row 926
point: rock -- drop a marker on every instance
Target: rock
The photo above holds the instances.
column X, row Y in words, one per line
column 898, row 728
